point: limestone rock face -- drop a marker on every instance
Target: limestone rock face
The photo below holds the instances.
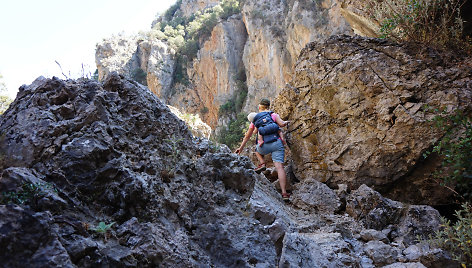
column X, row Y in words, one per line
column 355, row 12
column 357, row 112
column 380, row 213
column 190, row 7
column 277, row 31
column 214, row 70
column 264, row 45
column 194, row 123
column 134, row 56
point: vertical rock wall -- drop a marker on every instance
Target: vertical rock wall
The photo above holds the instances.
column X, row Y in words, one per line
column 358, row 116
column 213, row 71
column 265, row 41
column 277, row 31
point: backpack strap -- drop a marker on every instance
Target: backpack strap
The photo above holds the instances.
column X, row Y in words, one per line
column 259, row 115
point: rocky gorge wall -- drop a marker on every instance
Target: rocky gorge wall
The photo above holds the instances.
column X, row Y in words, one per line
column 264, row 42
column 78, row 152
column 357, row 111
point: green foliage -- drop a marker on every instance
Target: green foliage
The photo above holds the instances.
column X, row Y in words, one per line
column 28, row 194
column 204, row 110
column 184, row 34
column 233, row 134
column 214, row 146
column 102, row 227
column 5, row 101
column 95, row 75
column 456, row 238
column 435, row 23
column 169, row 14
column 456, row 149
column 140, row 76
column 235, row 104
column 180, row 73
column 175, row 148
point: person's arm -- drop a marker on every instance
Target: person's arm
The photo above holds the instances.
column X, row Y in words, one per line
column 245, row 140
column 281, row 135
column 279, row 121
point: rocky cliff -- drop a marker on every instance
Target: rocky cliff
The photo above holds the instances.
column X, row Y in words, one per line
column 103, row 174
column 263, row 41
column 358, row 114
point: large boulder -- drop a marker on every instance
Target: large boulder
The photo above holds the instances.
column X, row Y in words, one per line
column 357, row 114
column 77, row 153
column 403, row 223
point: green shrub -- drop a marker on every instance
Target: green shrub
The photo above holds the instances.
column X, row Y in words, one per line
column 435, row 23
column 456, row 238
column 5, row 101
column 204, row 110
column 169, row 14
column 95, row 75
column 180, row 73
column 29, row 193
column 456, row 150
column 140, row 76
column 184, row 34
column 233, row 134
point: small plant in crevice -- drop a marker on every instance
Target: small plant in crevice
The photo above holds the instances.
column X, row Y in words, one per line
column 169, row 171
column 102, row 227
column 455, row 238
column 455, row 148
column 214, row 146
column 29, row 193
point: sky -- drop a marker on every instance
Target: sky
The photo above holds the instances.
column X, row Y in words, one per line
column 35, row 34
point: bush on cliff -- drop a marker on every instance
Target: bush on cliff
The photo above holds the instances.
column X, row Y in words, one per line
column 4, row 100
column 456, row 150
column 184, row 34
column 435, row 23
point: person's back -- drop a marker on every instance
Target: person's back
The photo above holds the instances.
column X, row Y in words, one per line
column 266, row 126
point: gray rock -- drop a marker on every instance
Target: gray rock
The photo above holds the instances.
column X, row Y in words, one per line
column 412, row 253
column 418, row 221
column 401, row 222
column 27, row 239
column 381, row 253
column 371, row 234
column 316, row 250
column 115, row 153
column 375, row 211
column 314, row 195
column 405, row 265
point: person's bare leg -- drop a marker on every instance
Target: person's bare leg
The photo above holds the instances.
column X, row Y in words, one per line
column 260, row 158
column 282, row 176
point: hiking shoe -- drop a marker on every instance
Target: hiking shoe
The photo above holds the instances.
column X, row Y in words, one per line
column 286, row 196
column 260, row 168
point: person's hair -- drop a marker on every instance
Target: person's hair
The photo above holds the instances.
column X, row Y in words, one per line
column 251, row 116
column 264, row 107
column 265, row 103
